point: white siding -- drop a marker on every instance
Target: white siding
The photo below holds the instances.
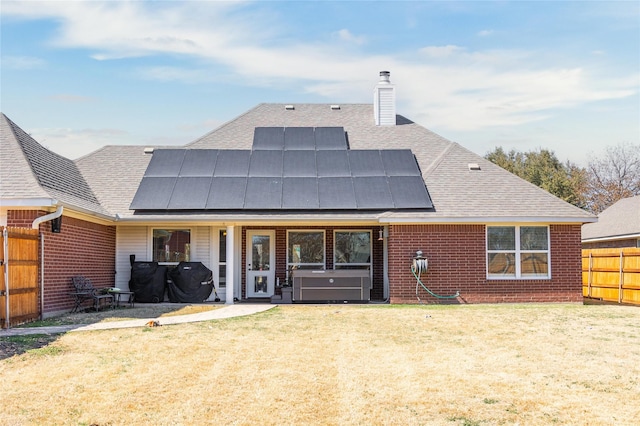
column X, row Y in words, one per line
column 129, row 240
column 386, row 106
column 201, row 246
column 136, row 240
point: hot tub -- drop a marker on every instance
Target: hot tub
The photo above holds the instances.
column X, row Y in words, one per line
column 331, row 286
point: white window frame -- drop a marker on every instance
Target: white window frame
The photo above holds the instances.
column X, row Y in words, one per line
column 324, row 248
column 518, row 253
column 192, row 238
column 215, row 256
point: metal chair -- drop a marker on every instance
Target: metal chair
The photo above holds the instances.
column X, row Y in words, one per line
column 84, row 290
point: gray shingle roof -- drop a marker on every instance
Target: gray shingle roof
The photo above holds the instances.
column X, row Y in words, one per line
column 34, row 171
column 619, row 220
column 113, row 173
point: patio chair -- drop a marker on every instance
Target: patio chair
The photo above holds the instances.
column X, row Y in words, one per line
column 84, row 290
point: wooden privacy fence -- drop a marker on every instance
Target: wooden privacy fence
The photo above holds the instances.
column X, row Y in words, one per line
column 612, row 275
column 19, row 279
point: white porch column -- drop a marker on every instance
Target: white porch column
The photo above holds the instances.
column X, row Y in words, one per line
column 231, row 261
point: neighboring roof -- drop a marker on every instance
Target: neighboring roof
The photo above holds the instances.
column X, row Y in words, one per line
column 458, row 193
column 619, row 221
column 292, row 168
column 34, row 172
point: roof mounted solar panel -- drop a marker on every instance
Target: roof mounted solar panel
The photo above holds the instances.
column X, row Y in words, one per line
column 336, row 193
column 300, row 193
column 232, row 163
column 299, row 138
column 165, row 163
column 199, row 162
column 300, row 164
column 330, row 138
column 333, row 163
column 153, row 193
column 409, row 192
column 366, row 163
column 265, row 163
column 399, row 162
column 190, row 193
column 263, row 193
column 372, row 192
column 226, row 193
column 268, row 138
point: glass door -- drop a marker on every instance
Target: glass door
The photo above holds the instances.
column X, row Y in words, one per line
column 260, row 263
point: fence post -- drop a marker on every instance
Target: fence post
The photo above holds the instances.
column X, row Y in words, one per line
column 621, row 280
column 590, row 275
column 5, row 235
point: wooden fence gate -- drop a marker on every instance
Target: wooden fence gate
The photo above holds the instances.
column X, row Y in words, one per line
column 19, row 288
column 612, row 275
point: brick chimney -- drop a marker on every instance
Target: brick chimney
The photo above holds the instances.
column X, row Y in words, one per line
column 384, row 101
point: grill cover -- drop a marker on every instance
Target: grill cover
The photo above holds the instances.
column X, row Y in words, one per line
column 148, row 281
column 189, row 282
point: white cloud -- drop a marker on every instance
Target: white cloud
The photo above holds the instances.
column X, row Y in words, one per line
column 73, row 143
column 22, row 62
column 485, row 33
column 441, row 51
column 449, row 85
column 346, row 35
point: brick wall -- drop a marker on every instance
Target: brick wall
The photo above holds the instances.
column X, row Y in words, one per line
column 82, row 248
column 629, row 242
column 457, row 262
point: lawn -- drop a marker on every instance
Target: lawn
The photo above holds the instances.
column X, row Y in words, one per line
column 527, row 364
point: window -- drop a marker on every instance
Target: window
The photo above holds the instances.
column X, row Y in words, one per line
column 518, row 252
column 352, row 250
column 305, row 250
column 171, row 245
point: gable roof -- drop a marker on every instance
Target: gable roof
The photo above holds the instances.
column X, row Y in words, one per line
column 620, row 220
column 35, row 173
column 113, row 173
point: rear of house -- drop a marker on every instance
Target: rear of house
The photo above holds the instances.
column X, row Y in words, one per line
column 337, row 200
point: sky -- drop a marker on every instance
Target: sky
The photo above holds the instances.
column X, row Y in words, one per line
column 562, row 76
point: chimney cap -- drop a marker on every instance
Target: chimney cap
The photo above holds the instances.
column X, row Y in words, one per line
column 385, row 75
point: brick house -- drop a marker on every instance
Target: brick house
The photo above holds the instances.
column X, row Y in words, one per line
column 296, row 190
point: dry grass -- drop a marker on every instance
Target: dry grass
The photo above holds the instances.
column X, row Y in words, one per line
column 140, row 310
column 344, row 364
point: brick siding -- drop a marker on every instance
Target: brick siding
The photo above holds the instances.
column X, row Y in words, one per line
column 82, row 248
column 457, row 262
column 629, row 242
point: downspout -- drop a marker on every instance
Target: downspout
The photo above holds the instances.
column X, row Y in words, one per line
column 385, row 256
column 36, row 225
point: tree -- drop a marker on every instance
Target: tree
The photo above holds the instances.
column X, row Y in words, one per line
column 613, row 176
column 542, row 168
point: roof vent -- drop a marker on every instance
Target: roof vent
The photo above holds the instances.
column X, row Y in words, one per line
column 473, row 166
column 289, row 107
column 148, row 150
column 335, row 107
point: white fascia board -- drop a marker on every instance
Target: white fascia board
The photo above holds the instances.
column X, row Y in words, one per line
column 28, row 202
column 612, row 238
column 480, row 220
column 247, row 219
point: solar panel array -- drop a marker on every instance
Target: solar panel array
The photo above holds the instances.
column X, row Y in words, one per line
column 293, row 168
